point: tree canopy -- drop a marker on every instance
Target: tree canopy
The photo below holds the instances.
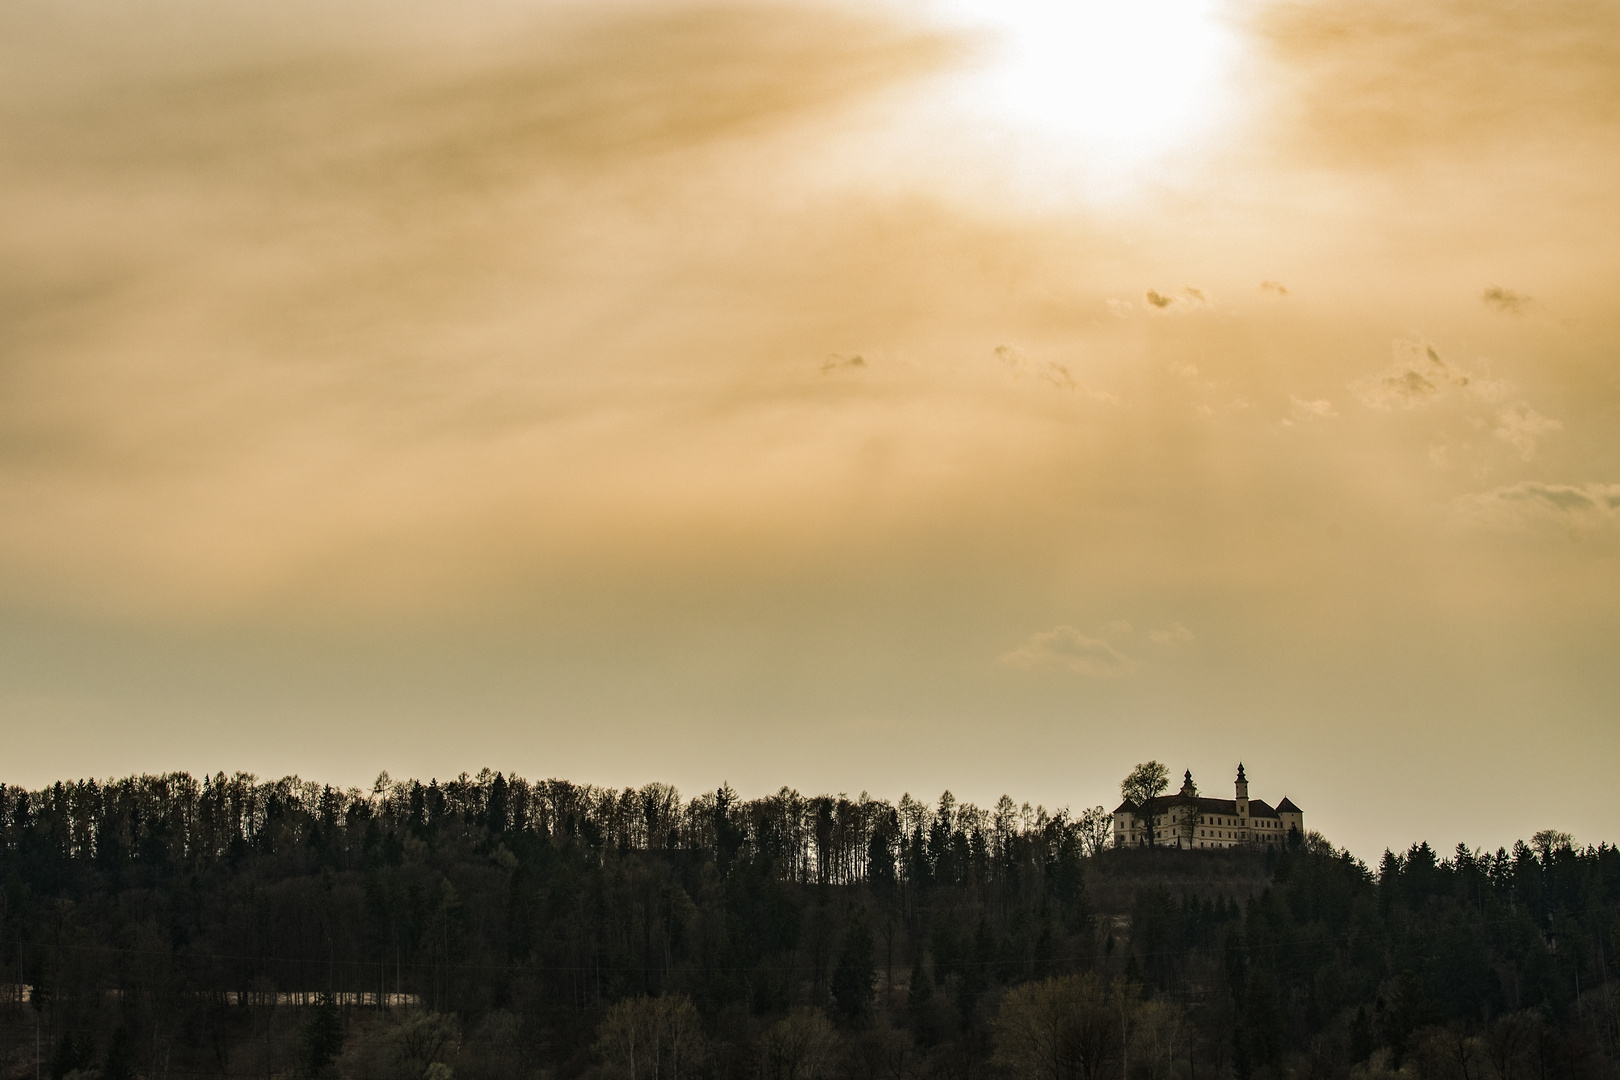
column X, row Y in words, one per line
column 491, row 926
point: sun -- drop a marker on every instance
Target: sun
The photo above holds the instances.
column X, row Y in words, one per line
column 1110, row 86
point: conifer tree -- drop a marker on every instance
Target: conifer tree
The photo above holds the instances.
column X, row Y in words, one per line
column 322, row 1035
column 853, row 977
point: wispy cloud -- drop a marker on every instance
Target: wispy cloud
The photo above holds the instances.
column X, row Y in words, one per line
column 1019, row 366
column 1419, row 378
column 1063, row 648
column 1506, row 301
column 1171, row 636
column 1520, row 427
column 1319, row 409
column 1187, row 300
column 842, row 363
column 1531, row 501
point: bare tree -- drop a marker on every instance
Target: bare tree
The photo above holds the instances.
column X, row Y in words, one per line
column 1510, row 1042
column 419, row 1042
column 1065, row 1028
column 1160, row 1030
column 651, row 1037
column 1548, row 841
column 798, row 1047
column 1146, row 782
column 1096, row 829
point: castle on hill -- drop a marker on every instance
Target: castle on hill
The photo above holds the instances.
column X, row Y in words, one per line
column 1187, row 820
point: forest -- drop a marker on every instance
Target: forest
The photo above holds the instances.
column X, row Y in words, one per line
column 491, row 927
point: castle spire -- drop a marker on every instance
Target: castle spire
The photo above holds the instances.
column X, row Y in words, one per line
column 1242, row 792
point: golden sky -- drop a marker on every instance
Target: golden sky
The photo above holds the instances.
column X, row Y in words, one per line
column 889, row 397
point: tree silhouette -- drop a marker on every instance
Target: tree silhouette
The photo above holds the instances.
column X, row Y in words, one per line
column 1145, row 783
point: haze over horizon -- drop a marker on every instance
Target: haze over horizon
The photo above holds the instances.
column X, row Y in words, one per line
column 850, row 397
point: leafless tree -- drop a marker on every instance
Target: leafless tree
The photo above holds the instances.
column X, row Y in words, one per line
column 1145, row 783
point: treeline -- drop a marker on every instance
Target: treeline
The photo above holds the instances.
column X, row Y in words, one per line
column 491, row 927
column 160, row 821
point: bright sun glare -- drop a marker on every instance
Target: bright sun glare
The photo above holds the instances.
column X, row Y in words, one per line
column 1108, row 86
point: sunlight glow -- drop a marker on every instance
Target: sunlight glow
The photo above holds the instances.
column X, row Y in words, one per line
column 1109, row 86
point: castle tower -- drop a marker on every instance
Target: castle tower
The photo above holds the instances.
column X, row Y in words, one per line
column 1188, row 788
column 1242, row 792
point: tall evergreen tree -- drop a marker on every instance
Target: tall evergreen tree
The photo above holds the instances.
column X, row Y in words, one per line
column 853, row 977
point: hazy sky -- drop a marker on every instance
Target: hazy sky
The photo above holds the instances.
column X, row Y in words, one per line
column 974, row 395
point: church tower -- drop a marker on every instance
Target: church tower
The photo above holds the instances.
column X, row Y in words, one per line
column 1242, row 793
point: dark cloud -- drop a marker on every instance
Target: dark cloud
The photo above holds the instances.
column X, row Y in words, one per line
column 1506, row 301
column 1188, row 299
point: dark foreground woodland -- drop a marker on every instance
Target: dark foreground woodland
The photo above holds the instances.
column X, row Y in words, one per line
column 169, row 927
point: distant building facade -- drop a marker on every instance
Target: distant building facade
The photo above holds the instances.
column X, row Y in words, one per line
column 1187, row 820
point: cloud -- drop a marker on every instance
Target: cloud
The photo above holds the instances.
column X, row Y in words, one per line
column 1320, row 408
column 1506, row 301
column 1063, row 648
column 1520, row 426
column 1385, row 82
column 1013, row 358
column 1417, row 377
column 842, row 363
column 1274, row 288
column 1171, row 636
column 1188, row 299
column 1058, row 375
column 1531, row 501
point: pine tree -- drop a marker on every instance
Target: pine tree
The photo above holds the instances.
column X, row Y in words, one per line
column 119, row 1064
column 922, row 986
column 323, row 1035
column 853, row 977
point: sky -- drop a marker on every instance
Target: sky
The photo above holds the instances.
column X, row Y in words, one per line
column 884, row 397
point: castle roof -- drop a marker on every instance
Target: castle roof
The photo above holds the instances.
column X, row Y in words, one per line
column 1287, row 807
column 1258, row 808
